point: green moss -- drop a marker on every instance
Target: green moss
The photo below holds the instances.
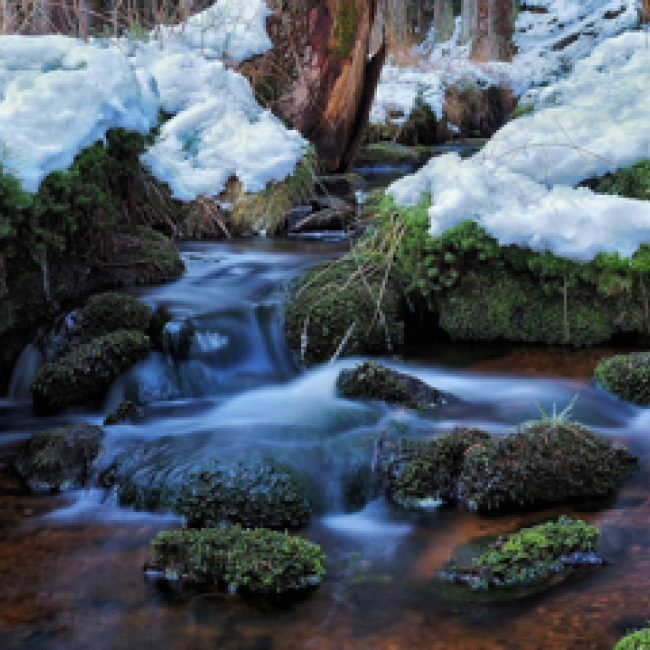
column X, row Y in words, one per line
column 60, row 458
column 124, row 411
column 333, row 303
column 639, row 640
column 627, row 376
column 83, row 376
column 256, row 560
column 108, row 312
column 416, row 471
column 542, row 462
column 531, row 555
column 632, row 182
column 253, row 493
column 346, row 20
column 371, row 380
column 522, row 109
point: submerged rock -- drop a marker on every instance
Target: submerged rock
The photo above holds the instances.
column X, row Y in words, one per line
column 257, row 560
column 533, row 555
column 56, row 459
column 83, row 376
column 371, row 380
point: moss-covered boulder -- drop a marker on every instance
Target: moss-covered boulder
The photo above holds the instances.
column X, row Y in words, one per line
column 542, row 462
column 108, row 312
column 60, row 458
column 83, row 376
column 334, row 297
column 416, row 472
column 497, row 302
column 125, row 411
column 253, row 493
column 627, row 376
column 639, row 640
column 389, row 153
column 531, row 555
column 256, row 560
column 371, row 380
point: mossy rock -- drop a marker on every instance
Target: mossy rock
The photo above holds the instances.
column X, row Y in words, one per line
column 109, row 312
column 162, row 477
column 371, row 380
column 534, row 554
column 60, row 458
column 627, row 376
column 333, row 307
column 256, row 560
column 542, row 462
column 84, row 375
column 639, row 640
column 416, row 472
column 253, row 493
column 495, row 302
column 125, row 411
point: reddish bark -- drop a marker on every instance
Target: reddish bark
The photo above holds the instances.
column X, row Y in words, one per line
column 330, row 101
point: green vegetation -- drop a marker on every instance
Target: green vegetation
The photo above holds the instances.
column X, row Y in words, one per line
column 330, row 298
column 346, row 20
column 371, row 380
column 528, row 556
column 639, row 640
column 60, row 458
column 108, row 312
column 83, row 376
column 421, row 470
column 632, row 182
column 251, row 493
column 257, row 560
column 542, row 462
column 627, row 376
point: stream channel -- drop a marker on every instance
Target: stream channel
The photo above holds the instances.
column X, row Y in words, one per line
column 72, row 563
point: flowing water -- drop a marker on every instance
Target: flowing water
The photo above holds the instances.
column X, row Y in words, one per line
column 72, row 564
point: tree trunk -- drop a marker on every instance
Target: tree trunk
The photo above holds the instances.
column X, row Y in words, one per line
column 443, row 20
column 329, row 101
column 494, row 27
column 645, row 12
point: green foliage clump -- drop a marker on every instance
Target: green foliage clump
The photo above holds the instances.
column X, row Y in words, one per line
column 108, row 312
column 528, row 556
column 371, row 380
column 257, row 560
column 542, row 462
column 421, row 127
column 83, row 376
column 60, row 458
column 419, row 470
column 627, row 376
column 333, row 297
column 252, row 493
column 632, row 182
column 639, row 640
column 125, row 410
column 522, row 109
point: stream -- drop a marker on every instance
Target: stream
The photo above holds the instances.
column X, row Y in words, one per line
column 72, row 563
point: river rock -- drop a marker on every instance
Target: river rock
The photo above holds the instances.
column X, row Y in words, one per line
column 539, row 463
column 626, row 376
column 84, row 375
column 371, row 380
column 60, row 458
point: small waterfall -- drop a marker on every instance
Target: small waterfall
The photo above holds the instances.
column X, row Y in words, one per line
column 28, row 364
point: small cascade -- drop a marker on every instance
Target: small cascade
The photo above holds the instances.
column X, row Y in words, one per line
column 25, row 370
